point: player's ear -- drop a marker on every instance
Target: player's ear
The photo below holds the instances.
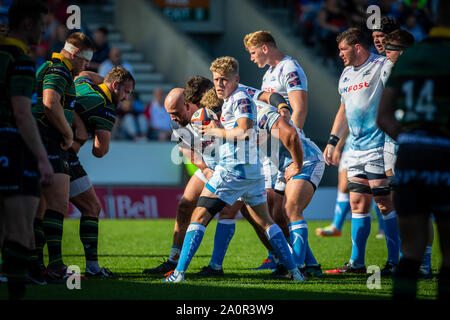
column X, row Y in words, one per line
column 264, row 48
column 115, row 85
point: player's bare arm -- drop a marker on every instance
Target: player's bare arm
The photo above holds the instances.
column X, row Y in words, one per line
column 288, row 135
column 80, row 135
column 93, row 76
column 241, row 132
column 386, row 113
column 55, row 113
column 28, row 129
column 339, row 129
column 101, row 143
column 299, row 104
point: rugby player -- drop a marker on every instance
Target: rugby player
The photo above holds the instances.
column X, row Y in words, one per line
column 417, row 92
column 286, row 77
column 24, row 160
column 379, row 32
column 387, row 25
column 297, row 159
column 96, row 104
column 181, row 105
column 342, row 206
column 360, row 87
column 238, row 174
column 396, row 43
column 54, row 112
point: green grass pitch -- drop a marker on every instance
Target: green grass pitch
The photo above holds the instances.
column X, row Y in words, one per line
column 129, row 246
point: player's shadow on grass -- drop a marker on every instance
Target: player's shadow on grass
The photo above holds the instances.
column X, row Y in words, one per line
column 124, row 255
column 194, row 289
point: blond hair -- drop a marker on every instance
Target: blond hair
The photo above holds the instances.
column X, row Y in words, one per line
column 258, row 38
column 225, row 65
column 210, row 100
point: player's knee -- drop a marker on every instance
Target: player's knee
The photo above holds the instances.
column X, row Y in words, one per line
column 384, row 204
column 212, row 205
column 93, row 209
column 185, row 206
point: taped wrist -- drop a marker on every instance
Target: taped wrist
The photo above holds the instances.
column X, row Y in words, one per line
column 333, row 140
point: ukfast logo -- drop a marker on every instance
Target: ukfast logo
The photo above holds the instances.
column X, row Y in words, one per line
column 355, row 87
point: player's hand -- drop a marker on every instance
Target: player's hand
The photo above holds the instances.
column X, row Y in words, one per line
column 291, row 171
column 46, row 171
column 68, row 141
column 208, row 173
column 328, row 155
column 209, row 130
column 336, row 157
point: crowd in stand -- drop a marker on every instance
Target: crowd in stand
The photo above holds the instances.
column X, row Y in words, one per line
column 318, row 22
column 137, row 122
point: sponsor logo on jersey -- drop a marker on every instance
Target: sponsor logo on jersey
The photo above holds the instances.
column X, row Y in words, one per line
column 294, row 79
column 355, row 87
column 269, row 89
column 366, row 73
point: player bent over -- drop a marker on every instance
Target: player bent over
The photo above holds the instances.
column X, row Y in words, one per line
column 238, row 174
column 298, row 158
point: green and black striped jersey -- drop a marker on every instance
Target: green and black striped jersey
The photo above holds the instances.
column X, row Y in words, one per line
column 421, row 78
column 55, row 74
column 17, row 77
column 94, row 105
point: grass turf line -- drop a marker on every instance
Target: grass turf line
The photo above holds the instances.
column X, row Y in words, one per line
column 129, row 246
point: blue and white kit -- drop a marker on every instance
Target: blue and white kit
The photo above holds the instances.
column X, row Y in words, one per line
column 187, row 137
column 238, row 173
column 360, row 89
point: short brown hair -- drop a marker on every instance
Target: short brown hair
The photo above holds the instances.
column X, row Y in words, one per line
column 195, row 87
column 225, row 65
column 401, row 36
column 81, row 41
column 210, row 100
column 119, row 74
column 258, row 38
column 22, row 9
column 354, row 36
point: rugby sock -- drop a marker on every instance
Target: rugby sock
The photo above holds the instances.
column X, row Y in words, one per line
column 52, row 225
column 310, row 260
column 444, row 284
column 361, row 224
column 426, row 261
column 39, row 239
column 298, row 232
column 381, row 225
column 192, row 240
column 278, row 242
column 224, row 233
column 15, row 267
column 174, row 254
column 405, row 279
column 392, row 236
column 341, row 209
column 89, row 239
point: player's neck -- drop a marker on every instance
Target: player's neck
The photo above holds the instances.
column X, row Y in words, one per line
column 19, row 36
column 276, row 57
column 361, row 59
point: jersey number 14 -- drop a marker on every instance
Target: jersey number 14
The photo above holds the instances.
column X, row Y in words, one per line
column 424, row 104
